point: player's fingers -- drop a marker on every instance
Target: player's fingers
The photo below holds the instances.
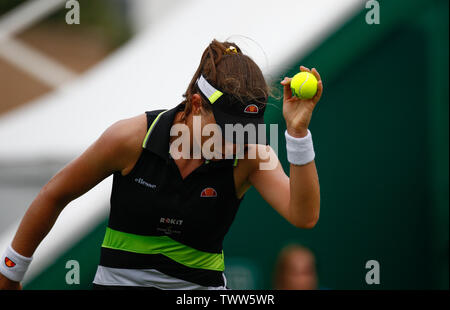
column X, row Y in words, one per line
column 319, row 92
column 286, row 81
column 316, row 74
column 287, row 92
column 304, row 69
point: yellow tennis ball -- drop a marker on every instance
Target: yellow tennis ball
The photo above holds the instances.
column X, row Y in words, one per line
column 304, row 85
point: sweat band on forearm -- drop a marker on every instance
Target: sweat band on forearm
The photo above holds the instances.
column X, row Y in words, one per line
column 13, row 265
column 300, row 151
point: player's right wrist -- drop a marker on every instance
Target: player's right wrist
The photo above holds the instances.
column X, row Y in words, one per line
column 7, row 284
column 14, row 265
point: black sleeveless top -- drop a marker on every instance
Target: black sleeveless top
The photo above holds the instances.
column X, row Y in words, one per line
column 161, row 221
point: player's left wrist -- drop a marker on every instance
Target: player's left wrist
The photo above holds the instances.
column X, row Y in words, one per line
column 300, row 150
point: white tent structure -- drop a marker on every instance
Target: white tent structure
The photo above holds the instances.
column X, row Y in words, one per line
column 151, row 72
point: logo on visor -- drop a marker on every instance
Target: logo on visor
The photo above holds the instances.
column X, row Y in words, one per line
column 9, row 263
column 252, row 109
column 208, row 192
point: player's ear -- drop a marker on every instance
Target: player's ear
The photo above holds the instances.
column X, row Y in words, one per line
column 196, row 103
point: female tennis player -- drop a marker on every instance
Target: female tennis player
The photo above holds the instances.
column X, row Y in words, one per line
column 169, row 214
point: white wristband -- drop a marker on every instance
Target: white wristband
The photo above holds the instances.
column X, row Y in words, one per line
column 300, row 151
column 13, row 265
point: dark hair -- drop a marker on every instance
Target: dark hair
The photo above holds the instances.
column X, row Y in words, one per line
column 229, row 71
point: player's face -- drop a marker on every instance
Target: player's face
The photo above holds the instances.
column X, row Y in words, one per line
column 214, row 140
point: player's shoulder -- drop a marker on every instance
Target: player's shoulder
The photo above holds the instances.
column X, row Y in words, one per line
column 129, row 127
column 154, row 113
column 258, row 156
column 259, row 152
column 126, row 134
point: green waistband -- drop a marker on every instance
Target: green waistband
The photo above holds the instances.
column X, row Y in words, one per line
column 163, row 245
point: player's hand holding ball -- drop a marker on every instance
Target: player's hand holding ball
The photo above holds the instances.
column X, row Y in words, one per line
column 301, row 94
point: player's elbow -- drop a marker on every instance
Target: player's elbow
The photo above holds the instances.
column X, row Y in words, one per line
column 306, row 224
column 309, row 221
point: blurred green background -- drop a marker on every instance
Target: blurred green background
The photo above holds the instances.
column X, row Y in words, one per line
column 381, row 140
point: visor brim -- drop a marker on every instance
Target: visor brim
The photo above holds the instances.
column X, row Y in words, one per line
column 240, row 129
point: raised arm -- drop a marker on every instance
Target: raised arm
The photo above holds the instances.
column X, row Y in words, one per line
column 296, row 198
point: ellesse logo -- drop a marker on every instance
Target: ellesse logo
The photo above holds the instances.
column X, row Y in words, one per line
column 208, row 192
column 252, row 109
column 9, row 263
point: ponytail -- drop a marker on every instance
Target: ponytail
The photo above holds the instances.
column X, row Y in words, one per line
column 224, row 65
